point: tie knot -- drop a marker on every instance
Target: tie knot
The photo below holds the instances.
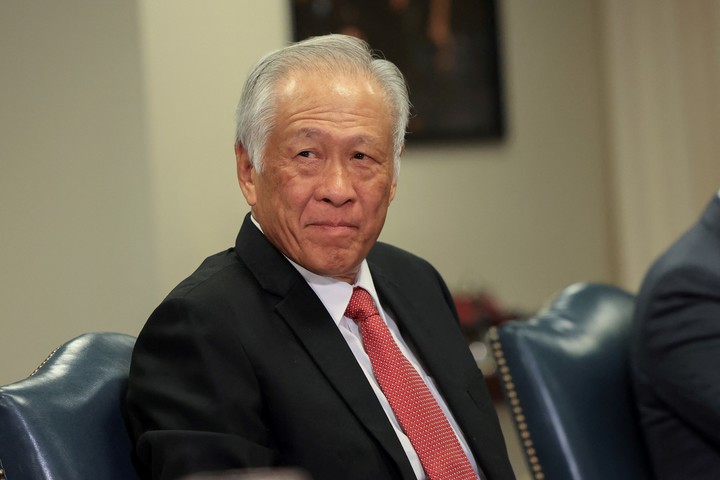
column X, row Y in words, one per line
column 361, row 305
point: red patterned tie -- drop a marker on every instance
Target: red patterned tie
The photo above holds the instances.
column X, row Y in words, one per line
column 419, row 414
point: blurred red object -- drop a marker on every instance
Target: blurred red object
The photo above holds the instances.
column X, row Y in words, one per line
column 479, row 311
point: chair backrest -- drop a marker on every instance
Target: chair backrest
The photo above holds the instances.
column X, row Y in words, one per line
column 566, row 376
column 66, row 421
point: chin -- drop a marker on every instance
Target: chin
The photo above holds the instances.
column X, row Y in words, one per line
column 331, row 260
column 346, row 271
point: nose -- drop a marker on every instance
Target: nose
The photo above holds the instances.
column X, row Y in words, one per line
column 337, row 186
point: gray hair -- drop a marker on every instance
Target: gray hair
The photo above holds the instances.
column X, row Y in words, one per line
column 333, row 53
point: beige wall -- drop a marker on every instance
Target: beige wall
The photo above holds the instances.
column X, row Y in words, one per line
column 663, row 82
column 76, row 193
column 195, row 57
column 118, row 177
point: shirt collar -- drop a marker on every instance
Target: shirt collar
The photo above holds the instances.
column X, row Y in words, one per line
column 335, row 294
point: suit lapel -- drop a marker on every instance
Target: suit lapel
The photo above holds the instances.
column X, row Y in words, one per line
column 435, row 349
column 308, row 318
column 443, row 352
column 305, row 314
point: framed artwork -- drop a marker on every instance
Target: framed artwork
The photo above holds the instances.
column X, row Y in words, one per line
column 448, row 51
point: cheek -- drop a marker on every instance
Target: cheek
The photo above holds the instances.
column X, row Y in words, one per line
column 289, row 196
column 379, row 195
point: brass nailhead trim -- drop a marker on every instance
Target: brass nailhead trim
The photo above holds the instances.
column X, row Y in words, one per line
column 517, row 411
column 42, row 365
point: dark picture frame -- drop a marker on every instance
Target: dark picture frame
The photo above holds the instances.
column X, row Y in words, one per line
column 448, row 51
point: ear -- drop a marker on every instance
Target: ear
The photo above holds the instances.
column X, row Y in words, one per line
column 245, row 174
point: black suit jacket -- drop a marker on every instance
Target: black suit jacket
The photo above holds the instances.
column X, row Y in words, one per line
column 241, row 366
column 676, row 354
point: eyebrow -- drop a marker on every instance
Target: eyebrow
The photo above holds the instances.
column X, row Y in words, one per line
column 308, row 132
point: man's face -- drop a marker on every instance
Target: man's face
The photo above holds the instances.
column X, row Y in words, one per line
column 327, row 176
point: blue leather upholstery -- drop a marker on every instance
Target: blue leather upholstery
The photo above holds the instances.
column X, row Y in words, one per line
column 565, row 373
column 65, row 421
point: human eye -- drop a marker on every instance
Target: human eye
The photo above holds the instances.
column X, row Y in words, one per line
column 307, row 155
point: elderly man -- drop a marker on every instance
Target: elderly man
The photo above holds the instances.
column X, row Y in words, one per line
column 309, row 344
column 675, row 352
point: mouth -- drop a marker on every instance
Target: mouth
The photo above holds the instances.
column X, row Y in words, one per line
column 331, row 226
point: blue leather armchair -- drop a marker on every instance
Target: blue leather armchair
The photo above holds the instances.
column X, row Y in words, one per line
column 565, row 374
column 65, row 421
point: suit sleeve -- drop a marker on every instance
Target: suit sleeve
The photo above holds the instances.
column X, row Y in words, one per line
column 187, row 412
column 682, row 342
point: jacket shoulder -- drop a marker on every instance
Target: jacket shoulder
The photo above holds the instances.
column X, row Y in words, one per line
column 215, row 275
column 386, row 254
column 402, row 267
